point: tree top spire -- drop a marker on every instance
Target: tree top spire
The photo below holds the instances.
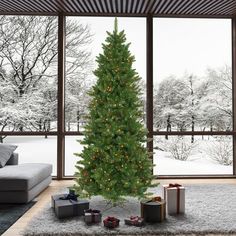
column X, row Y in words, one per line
column 116, row 25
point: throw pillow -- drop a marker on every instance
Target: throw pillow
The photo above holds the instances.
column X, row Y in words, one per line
column 6, row 151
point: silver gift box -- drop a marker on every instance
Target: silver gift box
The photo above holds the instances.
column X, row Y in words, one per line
column 92, row 216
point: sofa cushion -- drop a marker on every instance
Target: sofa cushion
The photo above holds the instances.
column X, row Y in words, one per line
column 6, row 151
column 14, row 159
column 24, row 196
column 24, row 176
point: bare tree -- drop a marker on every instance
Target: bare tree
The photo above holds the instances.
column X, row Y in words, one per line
column 28, row 63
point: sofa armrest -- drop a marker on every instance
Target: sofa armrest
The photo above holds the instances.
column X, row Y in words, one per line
column 13, row 159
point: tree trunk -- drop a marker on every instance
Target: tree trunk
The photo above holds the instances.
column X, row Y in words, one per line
column 168, row 127
column 182, row 126
column 40, row 125
column 49, row 125
column 203, row 135
column 193, row 123
column 44, row 128
column 192, row 104
column 1, row 139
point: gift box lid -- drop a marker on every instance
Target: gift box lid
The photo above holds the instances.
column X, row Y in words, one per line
column 166, row 186
column 58, row 196
column 62, row 203
column 153, row 203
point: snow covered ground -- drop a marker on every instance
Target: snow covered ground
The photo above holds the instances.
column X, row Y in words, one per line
column 168, row 166
column 38, row 149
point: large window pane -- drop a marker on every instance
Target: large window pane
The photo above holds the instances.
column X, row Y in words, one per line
column 84, row 38
column 35, row 149
column 198, row 155
column 192, row 75
column 72, row 146
column 28, row 73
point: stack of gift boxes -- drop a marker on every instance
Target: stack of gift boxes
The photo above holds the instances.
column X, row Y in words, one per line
column 153, row 210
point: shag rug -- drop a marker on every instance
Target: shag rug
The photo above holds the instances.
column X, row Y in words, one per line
column 210, row 209
column 10, row 213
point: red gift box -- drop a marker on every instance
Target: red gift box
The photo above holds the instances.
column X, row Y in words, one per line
column 135, row 221
column 111, row 222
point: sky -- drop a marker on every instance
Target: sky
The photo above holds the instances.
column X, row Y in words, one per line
column 134, row 30
column 180, row 45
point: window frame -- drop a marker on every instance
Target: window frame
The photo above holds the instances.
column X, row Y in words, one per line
column 61, row 133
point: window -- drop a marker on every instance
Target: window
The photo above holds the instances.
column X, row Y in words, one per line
column 84, row 38
column 192, row 93
column 72, row 146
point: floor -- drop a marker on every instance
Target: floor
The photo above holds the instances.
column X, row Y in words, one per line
column 45, row 196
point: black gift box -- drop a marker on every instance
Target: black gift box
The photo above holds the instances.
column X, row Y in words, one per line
column 68, row 208
column 153, row 211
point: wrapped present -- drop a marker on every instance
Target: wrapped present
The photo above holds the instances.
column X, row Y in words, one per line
column 153, row 210
column 92, row 216
column 71, row 196
column 64, row 207
column 111, row 222
column 135, row 221
column 174, row 194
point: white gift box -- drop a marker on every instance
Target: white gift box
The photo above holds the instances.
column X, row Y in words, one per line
column 175, row 198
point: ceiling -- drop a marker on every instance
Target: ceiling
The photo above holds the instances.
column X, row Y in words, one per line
column 198, row 8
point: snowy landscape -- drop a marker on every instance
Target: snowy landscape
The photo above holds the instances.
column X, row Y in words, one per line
column 38, row 149
column 189, row 101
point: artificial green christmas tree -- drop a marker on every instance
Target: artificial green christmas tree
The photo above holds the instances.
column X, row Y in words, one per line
column 115, row 162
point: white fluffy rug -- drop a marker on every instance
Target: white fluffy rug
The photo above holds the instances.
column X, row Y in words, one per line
column 209, row 209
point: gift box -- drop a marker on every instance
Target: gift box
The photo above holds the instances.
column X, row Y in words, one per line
column 111, row 222
column 135, row 221
column 174, row 194
column 92, row 216
column 66, row 208
column 153, row 210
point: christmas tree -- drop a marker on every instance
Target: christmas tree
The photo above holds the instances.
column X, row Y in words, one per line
column 114, row 162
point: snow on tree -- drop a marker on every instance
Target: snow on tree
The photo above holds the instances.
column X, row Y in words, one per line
column 170, row 104
column 193, row 103
column 216, row 99
column 77, row 101
column 28, row 68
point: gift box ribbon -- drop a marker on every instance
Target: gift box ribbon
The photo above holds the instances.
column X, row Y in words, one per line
column 73, row 200
column 178, row 194
column 75, row 206
column 112, row 220
column 93, row 213
column 154, row 199
column 70, row 196
column 136, row 219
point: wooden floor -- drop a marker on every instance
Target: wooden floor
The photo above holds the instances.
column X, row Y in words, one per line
column 45, row 197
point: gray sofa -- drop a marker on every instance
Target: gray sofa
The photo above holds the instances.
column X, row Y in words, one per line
column 22, row 183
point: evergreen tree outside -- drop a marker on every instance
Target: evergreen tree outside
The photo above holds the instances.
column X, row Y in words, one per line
column 115, row 162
